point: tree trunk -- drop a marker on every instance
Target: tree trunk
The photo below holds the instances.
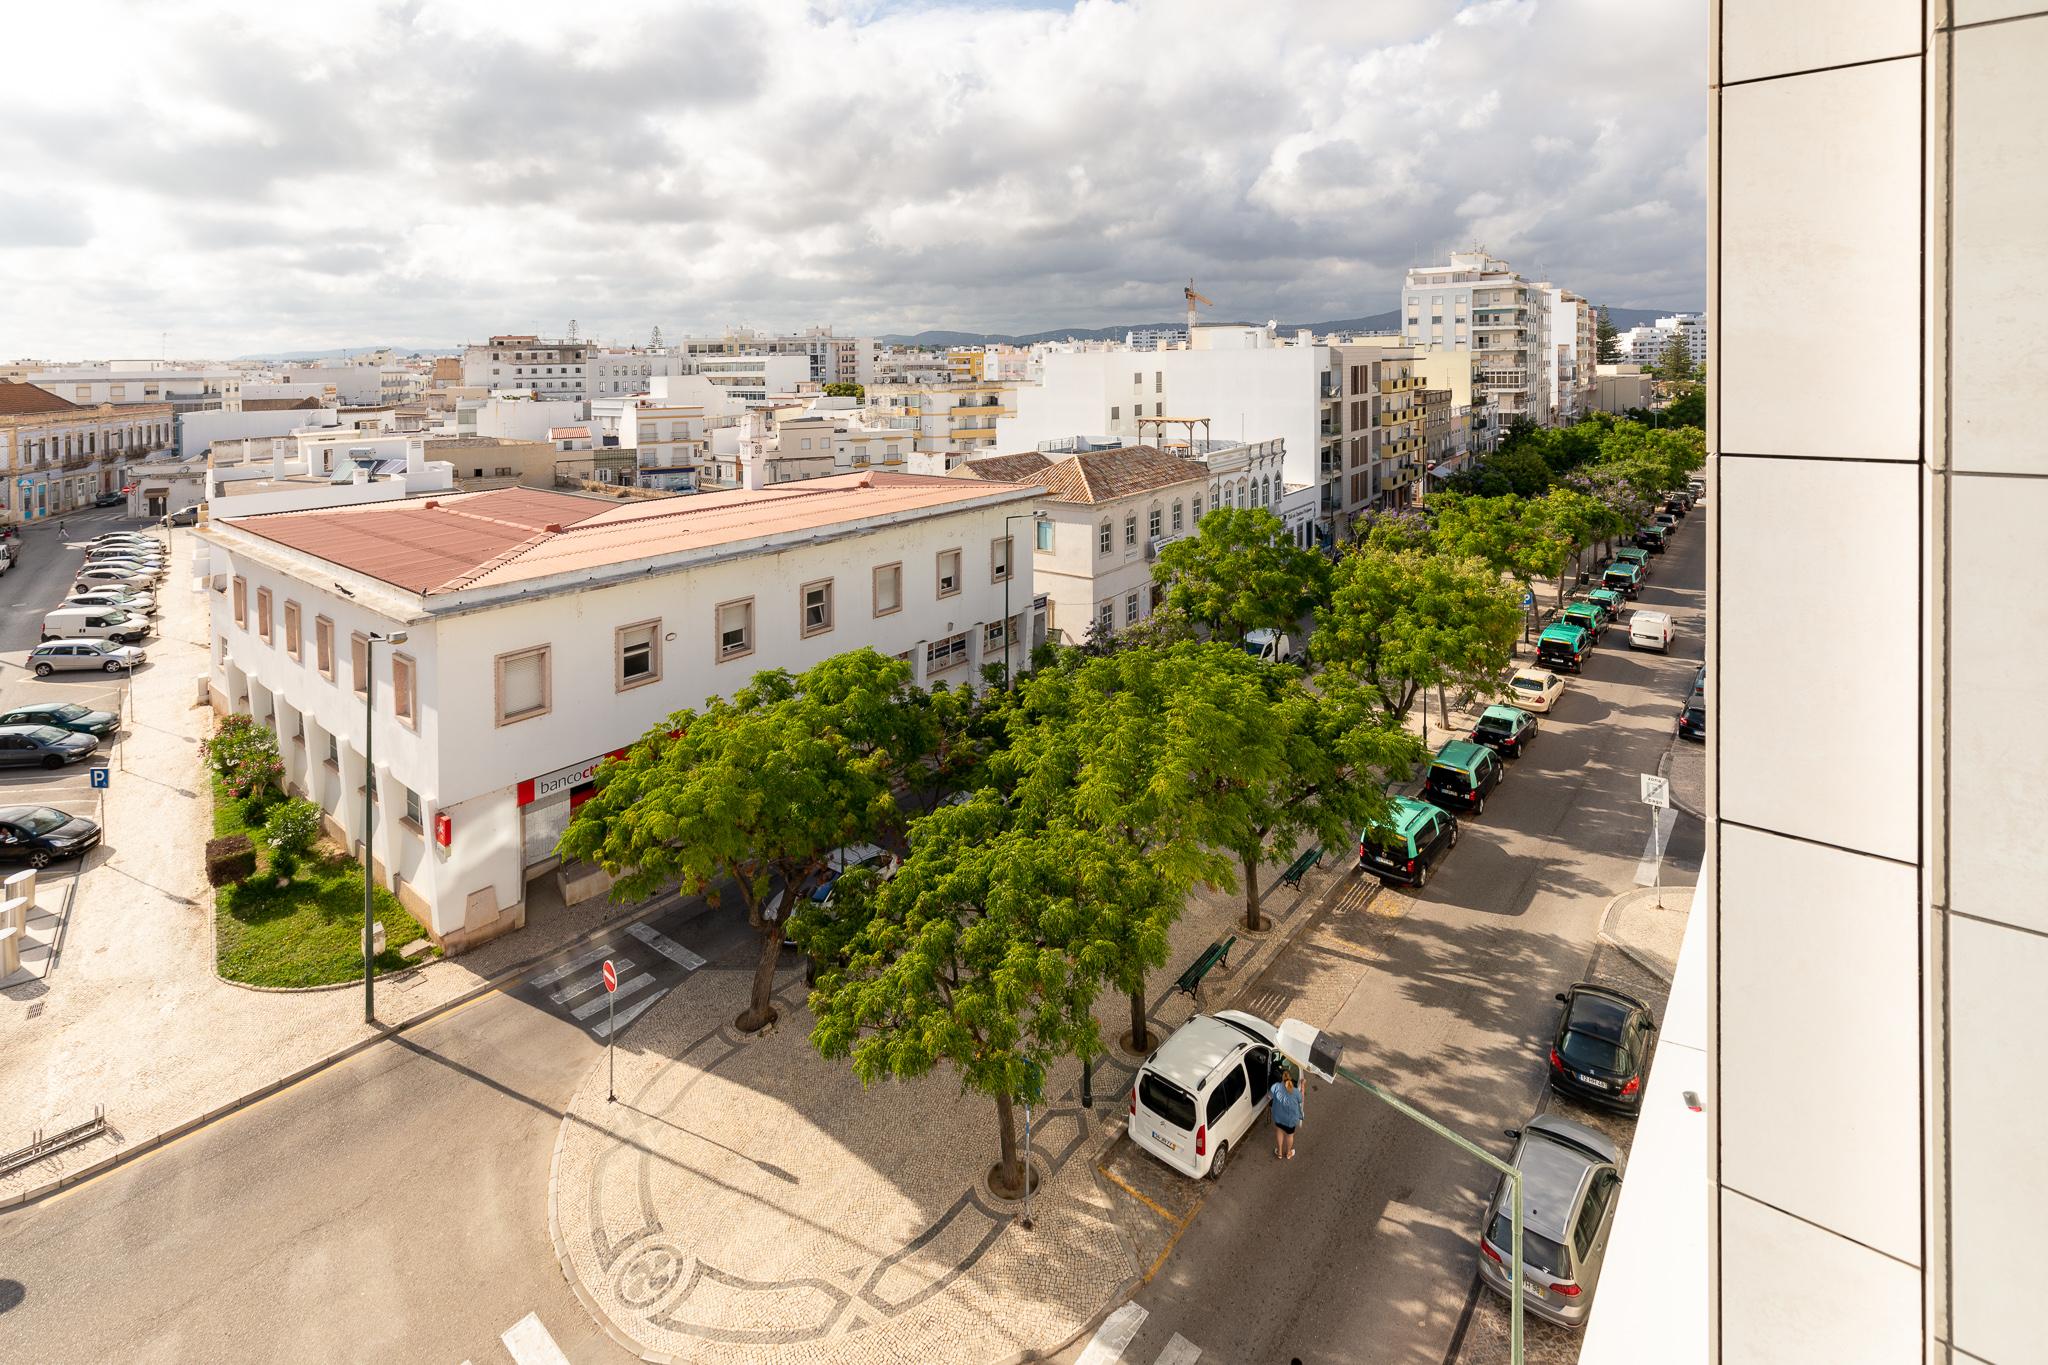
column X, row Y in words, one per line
column 1443, row 706
column 760, row 1010
column 1009, row 1179
column 1141, row 1036
column 1251, row 890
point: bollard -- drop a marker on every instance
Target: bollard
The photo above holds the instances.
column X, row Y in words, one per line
column 14, row 914
column 22, row 884
column 10, row 951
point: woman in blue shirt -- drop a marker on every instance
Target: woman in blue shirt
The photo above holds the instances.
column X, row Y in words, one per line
column 1286, row 1114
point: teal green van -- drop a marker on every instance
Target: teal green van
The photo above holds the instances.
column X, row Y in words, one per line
column 1631, row 554
column 1563, row 646
column 1624, row 577
column 1403, row 847
column 1609, row 599
column 1461, row 775
column 1590, row 617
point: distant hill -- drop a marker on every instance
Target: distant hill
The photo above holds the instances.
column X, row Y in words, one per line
column 1389, row 321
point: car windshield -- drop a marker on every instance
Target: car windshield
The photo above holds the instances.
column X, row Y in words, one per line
column 1171, row 1103
column 1528, row 685
column 1539, row 1253
column 43, row 821
column 1495, row 725
column 48, row 734
column 69, row 711
column 1696, row 713
column 1584, row 1052
column 1440, row 776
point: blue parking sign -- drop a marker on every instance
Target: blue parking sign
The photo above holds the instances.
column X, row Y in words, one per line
column 101, row 777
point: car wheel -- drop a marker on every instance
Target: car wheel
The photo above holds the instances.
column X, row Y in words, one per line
column 1422, row 876
column 44, row 670
column 113, row 666
column 40, row 858
column 1454, row 838
column 53, row 761
column 1222, row 1159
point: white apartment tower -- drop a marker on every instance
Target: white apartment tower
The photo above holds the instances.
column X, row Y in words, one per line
column 1479, row 303
column 550, row 369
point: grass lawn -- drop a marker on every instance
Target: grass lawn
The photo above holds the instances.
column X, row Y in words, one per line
column 308, row 932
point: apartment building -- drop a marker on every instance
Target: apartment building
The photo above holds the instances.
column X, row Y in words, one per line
column 828, row 358
column 546, row 630
column 123, row 383
column 1378, row 424
column 959, row 417
column 668, row 441
column 853, row 444
column 622, row 374
column 57, row 455
column 1102, row 520
column 1481, row 304
column 1573, row 352
column 1647, row 345
column 1875, row 172
column 527, row 364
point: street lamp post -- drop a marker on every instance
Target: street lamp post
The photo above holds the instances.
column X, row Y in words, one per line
column 396, row 637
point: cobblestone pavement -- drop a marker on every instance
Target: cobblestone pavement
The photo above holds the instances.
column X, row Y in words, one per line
column 745, row 1200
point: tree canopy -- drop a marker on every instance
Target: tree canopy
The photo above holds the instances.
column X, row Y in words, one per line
column 1240, row 572
column 1399, row 621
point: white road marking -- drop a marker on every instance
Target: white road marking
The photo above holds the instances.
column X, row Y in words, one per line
column 584, row 959
column 530, row 1343
column 666, row 946
column 1179, row 1351
column 590, row 1007
column 1106, row 1347
column 584, row 983
column 1659, row 839
column 603, row 1027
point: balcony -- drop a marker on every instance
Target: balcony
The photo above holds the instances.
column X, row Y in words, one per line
column 1333, row 386
column 976, row 409
column 1390, row 386
column 972, row 433
column 1399, row 417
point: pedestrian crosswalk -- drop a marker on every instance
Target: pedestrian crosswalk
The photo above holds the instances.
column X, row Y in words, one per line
column 530, row 1343
column 648, row 963
column 1112, row 1342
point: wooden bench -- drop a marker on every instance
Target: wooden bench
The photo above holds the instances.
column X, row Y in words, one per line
column 1216, row 952
column 1296, row 870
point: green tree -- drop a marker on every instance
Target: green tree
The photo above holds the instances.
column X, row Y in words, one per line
column 1609, row 340
column 761, row 790
column 845, row 391
column 1689, row 408
column 1574, row 519
column 980, row 954
column 1240, row 572
column 1675, row 365
column 244, row 756
column 1399, row 621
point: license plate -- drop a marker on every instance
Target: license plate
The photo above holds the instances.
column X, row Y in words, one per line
column 1169, row 1146
column 1593, row 1080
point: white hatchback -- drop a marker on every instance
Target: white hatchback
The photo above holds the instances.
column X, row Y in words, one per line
column 1534, row 689
column 1197, row 1097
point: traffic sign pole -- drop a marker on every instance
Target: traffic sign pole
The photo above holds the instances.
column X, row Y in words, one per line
column 611, row 1033
column 1657, row 796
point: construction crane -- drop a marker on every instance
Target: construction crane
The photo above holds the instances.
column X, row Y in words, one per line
column 1193, row 299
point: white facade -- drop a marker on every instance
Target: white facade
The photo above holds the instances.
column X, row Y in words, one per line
column 198, row 430
column 620, row 374
column 505, row 784
column 527, row 364
column 1646, row 346
column 1479, row 303
column 137, row 381
column 828, row 358
column 522, row 419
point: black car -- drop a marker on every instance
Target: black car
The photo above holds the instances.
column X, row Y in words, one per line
column 1692, row 721
column 108, row 500
column 64, row 715
column 1506, row 730
column 38, row 834
column 30, row 746
column 1649, row 539
column 1602, row 1047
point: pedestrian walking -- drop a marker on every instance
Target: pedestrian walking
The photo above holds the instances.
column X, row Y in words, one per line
column 1286, row 1114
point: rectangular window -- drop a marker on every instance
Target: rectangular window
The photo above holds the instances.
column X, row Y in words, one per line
column 1130, row 529
column 949, row 572
column 1116, row 414
column 263, row 620
column 1137, row 379
column 1131, row 610
column 404, row 689
column 1177, row 519
column 1044, row 529
column 999, row 559
column 1105, row 540
column 293, row 644
column 638, row 647
column 735, row 629
column 333, row 751
column 817, row 604
column 524, row 688
column 242, row 602
column 888, row 589
column 941, row 655
column 1152, row 524
column 1105, row 618
column 1198, row 507
column 412, row 809
column 359, row 662
column 1159, row 381
column 323, row 646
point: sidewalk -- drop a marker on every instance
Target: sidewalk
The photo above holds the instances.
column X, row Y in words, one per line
column 117, row 1004
column 746, row 1200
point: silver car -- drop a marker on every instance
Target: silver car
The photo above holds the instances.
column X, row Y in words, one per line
column 1571, row 1184
column 60, row 655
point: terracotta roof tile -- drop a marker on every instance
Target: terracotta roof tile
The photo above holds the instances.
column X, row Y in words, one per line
column 22, row 400
column 307, row 403
column 1093, row 475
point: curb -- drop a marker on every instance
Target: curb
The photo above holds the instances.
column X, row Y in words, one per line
column 144, row 1146
column 1601, row 935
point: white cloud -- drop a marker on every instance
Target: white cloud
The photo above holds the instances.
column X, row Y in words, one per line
column 342, row 173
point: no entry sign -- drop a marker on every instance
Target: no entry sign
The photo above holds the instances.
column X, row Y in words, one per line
column 611, row 976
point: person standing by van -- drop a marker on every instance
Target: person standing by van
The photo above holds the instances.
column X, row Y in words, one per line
column 1286, row 1114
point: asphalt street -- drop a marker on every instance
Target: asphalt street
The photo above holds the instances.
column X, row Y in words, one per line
column 391, row 1208
column 1362, row 1247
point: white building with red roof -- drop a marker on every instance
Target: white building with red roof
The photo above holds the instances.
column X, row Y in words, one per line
column 545, row 630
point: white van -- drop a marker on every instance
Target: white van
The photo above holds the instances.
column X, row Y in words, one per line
column 95, row 623
column 1271, row 646
column 1197, row 1097
column 1649, row 630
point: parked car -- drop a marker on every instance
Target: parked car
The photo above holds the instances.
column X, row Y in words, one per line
column 42, row 746
column 1667, row 520
column 38, row 835
column 1636, row 555
column 1678, row 504
column 1461, row 774
column 1563, row 646
column 1571, row 1182
column 127, row 599
column 1507, row 730
column 1650, row 537
column 1402, row 848
column 96, row 575
column 1692, row 721
column 1535, row 689
column 837, row 863
column 108, row 500
column 1601, row 1050
column 1623, row 577
column 95, row 623
column 64, row 715
column 60, row 655
column 141, row 559
column 1196, row 1098
column 127, row 538
column 1699, row 684
column 1272, row 646
column 1612, row 601
column 1649, row 630
column 141, row 553
column 184, row 516
column 1590, row 617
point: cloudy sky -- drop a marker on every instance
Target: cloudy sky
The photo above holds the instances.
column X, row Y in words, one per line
column 247, row 178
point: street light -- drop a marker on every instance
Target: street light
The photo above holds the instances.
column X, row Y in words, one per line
column 375, row 638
